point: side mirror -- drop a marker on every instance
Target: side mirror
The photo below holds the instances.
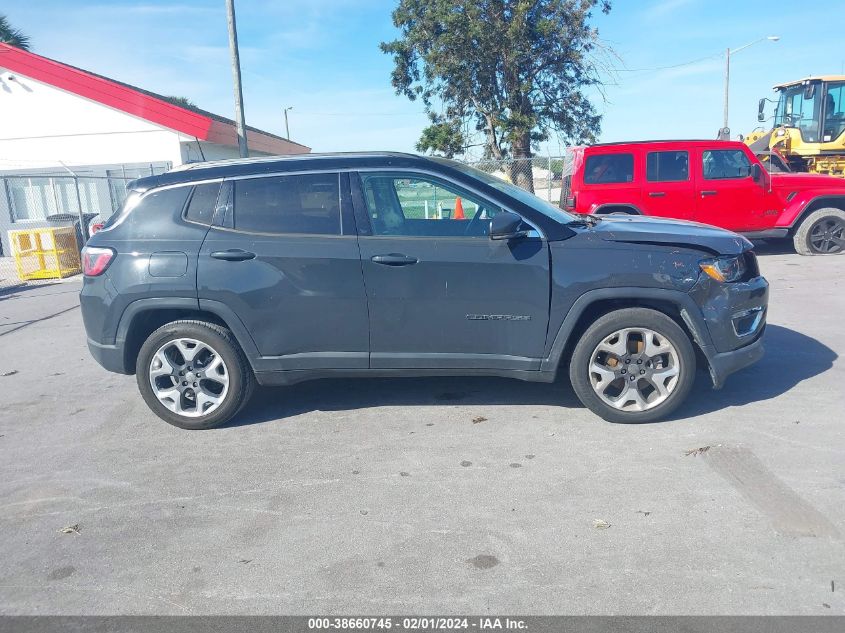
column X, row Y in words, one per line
column 506, row 226
column 756, row 172
column 761, row 116
column 809, row 90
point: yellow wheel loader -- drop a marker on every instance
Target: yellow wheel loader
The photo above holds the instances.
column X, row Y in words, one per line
column 808, row 127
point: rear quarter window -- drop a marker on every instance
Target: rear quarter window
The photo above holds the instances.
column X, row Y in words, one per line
column 202, row 204
column 600, row 169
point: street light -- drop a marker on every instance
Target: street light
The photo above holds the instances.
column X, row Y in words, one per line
column 287, row 129
column 725, row 132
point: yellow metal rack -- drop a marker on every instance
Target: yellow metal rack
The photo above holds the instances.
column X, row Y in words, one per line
column 45, row 253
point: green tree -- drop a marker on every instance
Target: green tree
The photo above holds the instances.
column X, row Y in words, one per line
column 442, row 136
column 182, row 102
column 516, row 70
column 11, row 35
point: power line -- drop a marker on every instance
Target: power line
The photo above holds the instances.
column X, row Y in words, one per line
column 689, row 63
column 353, row 114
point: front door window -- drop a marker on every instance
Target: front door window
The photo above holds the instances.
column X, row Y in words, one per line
column 417, row 206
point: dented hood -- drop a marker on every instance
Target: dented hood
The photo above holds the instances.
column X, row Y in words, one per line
column 649, row 230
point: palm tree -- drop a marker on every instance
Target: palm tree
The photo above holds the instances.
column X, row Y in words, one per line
column 11, row 35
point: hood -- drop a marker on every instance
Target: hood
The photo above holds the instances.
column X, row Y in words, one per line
column 638, row 229
column 806, row 181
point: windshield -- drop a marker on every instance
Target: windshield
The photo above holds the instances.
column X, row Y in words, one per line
column 538, row 204
column 794, row 110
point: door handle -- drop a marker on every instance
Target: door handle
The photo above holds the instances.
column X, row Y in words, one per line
column 708, row 193
column 656, row 194
column 394, row 259
column 233, row 255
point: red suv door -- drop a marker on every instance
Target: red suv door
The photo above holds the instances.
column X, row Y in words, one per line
column 727, row 196
column 668, row 189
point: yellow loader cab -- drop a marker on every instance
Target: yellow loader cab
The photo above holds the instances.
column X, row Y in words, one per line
column 808, row 126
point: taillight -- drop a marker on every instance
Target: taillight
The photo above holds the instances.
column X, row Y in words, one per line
column 96, row 227
column 570, row 203
column 96, row 260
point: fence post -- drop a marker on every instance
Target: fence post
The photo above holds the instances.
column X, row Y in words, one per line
column 83, row 230
column 549, row 179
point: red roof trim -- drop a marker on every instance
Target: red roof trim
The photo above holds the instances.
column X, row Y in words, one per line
column 145, row 106
column 104, row 91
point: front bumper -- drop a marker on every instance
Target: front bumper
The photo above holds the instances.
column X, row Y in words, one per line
column 734, row 317
column 724, row 364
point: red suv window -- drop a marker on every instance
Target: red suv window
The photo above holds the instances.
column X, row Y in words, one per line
column 608, row 168
column 718, row 164
column 667, row 166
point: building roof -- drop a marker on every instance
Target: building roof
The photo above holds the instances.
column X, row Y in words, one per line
column 152, row 107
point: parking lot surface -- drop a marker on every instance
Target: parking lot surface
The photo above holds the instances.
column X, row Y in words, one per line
column 427, row 495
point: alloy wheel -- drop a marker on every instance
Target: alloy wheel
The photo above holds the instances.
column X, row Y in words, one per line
column 189, row 377
column 827, row 236
column 634, row 369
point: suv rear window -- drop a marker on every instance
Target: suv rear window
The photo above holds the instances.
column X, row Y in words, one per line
column 302, row 203
column 667, row 166
column 608, row 168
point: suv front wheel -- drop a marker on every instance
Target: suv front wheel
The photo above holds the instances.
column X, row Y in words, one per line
column 193, row 374
column 821, row 233
column 633, row 365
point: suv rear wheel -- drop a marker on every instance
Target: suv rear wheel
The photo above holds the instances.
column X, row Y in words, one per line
column 633, row 365
column 193, row 374
column 821, row 233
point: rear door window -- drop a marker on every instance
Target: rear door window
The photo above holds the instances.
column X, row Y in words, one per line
column 609, row 168
column 667, row 166
column 298, row 203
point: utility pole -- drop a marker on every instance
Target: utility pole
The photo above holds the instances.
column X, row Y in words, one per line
column 287, row 129
column 240, row 123
column 725, row 132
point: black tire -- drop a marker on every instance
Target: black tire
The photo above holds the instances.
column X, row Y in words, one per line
column 605, row 326
column 241, row 378
column 802, row 240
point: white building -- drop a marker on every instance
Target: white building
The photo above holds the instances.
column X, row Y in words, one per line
column 57, row 122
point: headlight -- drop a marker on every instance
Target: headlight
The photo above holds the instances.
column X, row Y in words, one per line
column 724, row 269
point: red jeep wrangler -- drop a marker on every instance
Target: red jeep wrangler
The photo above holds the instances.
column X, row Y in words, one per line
column 715, row 182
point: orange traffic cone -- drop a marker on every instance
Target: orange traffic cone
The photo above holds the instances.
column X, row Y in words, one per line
column 459, row 210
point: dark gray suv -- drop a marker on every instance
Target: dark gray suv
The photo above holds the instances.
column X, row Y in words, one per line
column 220, row 275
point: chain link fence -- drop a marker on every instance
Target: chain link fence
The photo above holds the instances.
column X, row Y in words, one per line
column 544, row 176
column 35, row 202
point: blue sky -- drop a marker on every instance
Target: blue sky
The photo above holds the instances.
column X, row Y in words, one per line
column 322, row 58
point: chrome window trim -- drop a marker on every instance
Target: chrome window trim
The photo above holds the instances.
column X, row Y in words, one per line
column 350, row 170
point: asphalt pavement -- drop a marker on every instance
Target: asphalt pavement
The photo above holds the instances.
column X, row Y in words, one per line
column 469, row 495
